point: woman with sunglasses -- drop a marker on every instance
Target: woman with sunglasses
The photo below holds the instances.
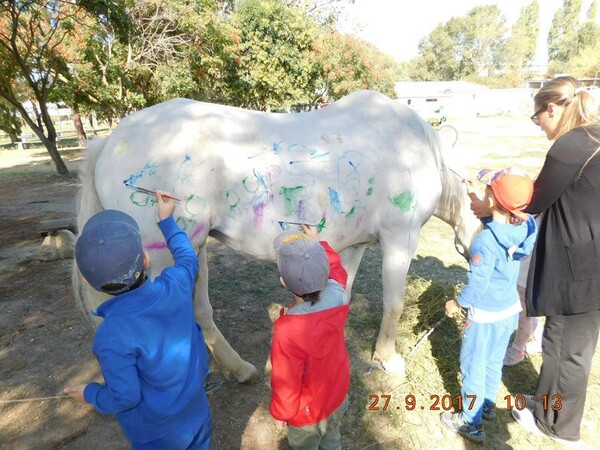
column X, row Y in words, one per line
column 563, row 282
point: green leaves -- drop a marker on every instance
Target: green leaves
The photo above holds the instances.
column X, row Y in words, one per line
column 573, row 46
column 463, row 46
column 112, row 57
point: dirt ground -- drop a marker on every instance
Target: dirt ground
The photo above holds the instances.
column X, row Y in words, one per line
column 45, row 341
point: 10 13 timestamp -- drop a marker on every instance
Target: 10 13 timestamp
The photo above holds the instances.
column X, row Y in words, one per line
column 521, row 402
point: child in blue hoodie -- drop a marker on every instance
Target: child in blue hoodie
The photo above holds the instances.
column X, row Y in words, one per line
column 491, row 298
column 149, row 346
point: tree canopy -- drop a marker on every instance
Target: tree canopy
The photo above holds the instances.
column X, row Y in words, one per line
column 114, row 57
column 462, row 47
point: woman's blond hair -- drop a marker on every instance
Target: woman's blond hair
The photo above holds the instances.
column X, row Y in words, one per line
column 580, row 108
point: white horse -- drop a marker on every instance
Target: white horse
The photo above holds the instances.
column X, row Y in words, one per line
column 366, row 169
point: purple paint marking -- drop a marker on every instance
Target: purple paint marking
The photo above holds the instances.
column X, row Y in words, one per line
column 198, row 231
column 258, row 213
column 162, row 245
column 155, row 246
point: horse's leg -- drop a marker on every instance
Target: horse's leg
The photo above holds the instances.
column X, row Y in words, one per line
column 397, row 250
column 351, row 258
column 230, row 362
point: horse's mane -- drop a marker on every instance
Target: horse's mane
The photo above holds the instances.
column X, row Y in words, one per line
column 454, row 206
column 87, row 204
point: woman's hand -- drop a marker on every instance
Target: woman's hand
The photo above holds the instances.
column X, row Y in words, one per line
column 481, row 208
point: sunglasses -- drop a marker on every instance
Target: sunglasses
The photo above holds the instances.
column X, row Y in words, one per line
column 535, row 119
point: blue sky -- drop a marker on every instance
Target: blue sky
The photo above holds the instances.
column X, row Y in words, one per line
column 396, row 26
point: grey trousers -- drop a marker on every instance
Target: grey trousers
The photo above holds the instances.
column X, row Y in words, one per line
column 568, row 347
column 323, row 435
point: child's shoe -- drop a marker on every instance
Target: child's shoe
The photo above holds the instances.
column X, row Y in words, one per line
column 489, row 411
column 455, row 423
column 513, row 357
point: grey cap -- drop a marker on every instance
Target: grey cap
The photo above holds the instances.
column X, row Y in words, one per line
column 302, row 262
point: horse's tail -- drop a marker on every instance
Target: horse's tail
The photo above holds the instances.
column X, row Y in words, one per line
column 87, row 203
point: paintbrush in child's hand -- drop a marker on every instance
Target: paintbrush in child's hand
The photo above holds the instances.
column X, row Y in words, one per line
column 150, row 191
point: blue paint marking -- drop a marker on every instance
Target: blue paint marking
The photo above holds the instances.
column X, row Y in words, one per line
column 148, row 169
column 260, row 179
column 334, row 198
column 313, row 154
column 277, row 147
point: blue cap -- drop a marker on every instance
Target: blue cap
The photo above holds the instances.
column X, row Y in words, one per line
column 109, row 251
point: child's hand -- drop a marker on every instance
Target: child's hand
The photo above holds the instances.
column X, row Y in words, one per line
column 311, row 232
column 280, row 424
column 452, row 307
column 76, row 392
column 165, row 206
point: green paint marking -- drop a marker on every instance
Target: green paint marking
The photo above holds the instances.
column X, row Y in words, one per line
column 233, row 199
column 288, row 198
column 350, row 213
column 194, row 204
column 245, row 183
column 371, row 183
column 321, row 224
column 403, row 201
column 142, row 199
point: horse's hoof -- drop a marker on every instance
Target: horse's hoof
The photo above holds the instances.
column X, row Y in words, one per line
column 394, row 365
column 249, row 375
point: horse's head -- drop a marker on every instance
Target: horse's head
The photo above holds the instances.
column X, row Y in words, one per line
column 454, row 208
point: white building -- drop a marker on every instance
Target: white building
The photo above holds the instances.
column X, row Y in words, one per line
column 461, row 99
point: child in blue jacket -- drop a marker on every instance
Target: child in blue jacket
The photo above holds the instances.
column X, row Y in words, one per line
column 492, row 299
column 149, row 346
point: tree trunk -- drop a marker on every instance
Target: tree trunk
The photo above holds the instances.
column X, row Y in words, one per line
column 13, row 136
column 91, row 120
column 50, row 145
column 48, row 141
column 38, row 117
column 81, row 137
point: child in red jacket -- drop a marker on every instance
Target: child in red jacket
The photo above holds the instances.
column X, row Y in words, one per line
column 311, row 369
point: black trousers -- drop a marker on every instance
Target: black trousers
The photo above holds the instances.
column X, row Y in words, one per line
column 568, row 347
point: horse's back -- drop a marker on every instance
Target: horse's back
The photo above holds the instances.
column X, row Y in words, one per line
column 361, row 163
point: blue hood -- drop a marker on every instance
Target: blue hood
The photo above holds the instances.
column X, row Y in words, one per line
column 494, row 265
column 517, row 241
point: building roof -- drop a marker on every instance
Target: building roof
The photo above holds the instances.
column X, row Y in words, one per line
column 435, row 88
